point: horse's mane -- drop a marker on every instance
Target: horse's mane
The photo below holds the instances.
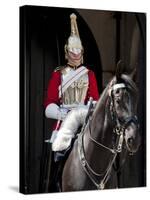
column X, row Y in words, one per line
column 103, row 97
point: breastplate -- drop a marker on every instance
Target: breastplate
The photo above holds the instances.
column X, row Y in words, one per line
column 77, row 91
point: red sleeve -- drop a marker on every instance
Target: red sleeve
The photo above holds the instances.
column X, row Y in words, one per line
column 93, row 88
column 52, row 95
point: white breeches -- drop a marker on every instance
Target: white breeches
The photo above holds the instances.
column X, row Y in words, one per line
column 69, row 127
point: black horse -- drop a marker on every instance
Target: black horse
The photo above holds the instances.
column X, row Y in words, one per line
column 112, row 127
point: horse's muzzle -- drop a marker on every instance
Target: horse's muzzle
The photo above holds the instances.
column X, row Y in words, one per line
column 132, row 136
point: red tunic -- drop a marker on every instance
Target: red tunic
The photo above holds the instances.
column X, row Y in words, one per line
column 53, row 85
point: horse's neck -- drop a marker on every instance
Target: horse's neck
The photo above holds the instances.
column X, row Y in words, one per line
column 100, row 125
column 101, row 120
column 98, row 129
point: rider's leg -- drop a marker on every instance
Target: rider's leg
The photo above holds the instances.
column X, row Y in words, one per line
column 67, row 131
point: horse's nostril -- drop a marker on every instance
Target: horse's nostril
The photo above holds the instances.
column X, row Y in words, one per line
column 130, row 140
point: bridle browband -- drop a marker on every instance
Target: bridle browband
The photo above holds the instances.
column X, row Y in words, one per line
column 119, row 130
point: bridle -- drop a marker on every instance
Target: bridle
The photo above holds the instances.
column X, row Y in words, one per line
column 119, row 130
column 120, row 125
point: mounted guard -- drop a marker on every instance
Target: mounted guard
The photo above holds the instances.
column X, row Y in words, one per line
column 70, row 90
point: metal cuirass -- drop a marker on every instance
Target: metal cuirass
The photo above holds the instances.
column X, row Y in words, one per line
column 77, row 91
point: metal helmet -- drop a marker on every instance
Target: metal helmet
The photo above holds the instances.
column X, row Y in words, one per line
column 74, row 43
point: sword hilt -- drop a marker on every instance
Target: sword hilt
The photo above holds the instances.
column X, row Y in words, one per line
column 47, row 141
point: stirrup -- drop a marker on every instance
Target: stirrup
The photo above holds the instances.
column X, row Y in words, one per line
column 60, row 155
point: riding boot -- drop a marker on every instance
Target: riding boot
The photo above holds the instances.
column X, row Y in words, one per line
column 56, row 173
column 58, row 160
column 58, row 177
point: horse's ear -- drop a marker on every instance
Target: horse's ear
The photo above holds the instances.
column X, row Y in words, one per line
column 120, row 69
column 132, row 75
column 133, row 72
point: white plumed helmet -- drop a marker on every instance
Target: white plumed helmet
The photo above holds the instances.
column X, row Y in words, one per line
column 74, row 43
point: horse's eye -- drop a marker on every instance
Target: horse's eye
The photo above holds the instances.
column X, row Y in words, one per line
column 117, row 91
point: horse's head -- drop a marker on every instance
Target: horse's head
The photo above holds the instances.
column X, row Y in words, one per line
column 124, row 99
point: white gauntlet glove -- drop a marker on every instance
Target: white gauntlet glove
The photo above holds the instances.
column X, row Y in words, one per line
column 53, row 111
column 63, row 113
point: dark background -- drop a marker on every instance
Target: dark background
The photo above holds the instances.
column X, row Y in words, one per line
column 107, row 37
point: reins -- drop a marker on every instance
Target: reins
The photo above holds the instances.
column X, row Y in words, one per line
column 88, row 169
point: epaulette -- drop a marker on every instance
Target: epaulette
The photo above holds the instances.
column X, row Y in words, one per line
column 60, row 68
